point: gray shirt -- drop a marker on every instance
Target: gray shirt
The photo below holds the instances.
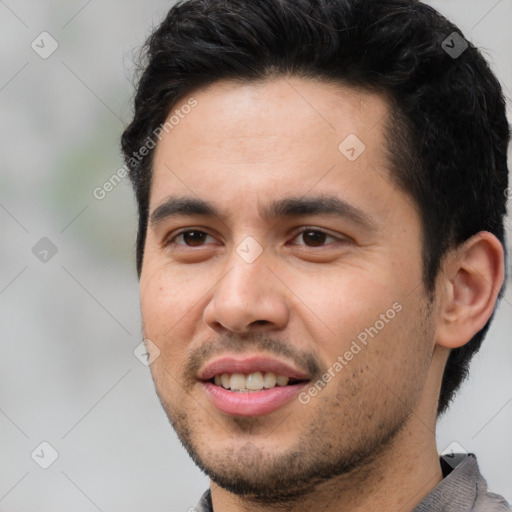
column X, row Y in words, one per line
column 463, row 489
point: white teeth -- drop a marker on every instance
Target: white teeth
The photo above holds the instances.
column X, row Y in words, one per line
column 225, row 378
column 255, row 381
column 237, row 382
column 282, row 380
column 269, row 381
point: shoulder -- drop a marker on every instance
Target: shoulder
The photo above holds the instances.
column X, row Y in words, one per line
column 489, row 502
column 463, row 489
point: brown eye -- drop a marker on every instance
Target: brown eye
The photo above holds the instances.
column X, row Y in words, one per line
column 190, row 238
column 194, row 237
column 314, row 238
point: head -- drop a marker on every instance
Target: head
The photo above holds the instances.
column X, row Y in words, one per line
column 266, row 98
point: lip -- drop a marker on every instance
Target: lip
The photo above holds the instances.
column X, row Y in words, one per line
column 249, row 364
column 252, row 403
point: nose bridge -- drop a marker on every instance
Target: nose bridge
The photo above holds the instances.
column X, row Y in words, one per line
column 248, row 293
column 245, row 278
column 247, row 266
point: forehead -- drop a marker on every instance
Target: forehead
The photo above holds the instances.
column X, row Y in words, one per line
column 263, row 138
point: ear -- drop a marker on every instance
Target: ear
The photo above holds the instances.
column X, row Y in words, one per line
column 471, row 280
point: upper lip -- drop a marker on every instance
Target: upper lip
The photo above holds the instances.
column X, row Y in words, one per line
column 249, row 364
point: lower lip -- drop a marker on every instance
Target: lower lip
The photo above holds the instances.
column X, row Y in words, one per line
column 251, row 403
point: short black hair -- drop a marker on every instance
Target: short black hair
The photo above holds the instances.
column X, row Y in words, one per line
column 447, row 133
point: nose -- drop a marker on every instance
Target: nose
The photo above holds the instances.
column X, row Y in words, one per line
column 248, row 298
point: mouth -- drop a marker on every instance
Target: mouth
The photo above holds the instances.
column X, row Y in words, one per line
column 252, row 386
column 256, row 381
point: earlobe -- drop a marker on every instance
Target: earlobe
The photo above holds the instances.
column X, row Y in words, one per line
column 471, row 281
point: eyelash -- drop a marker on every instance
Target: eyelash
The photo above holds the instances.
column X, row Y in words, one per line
column 171, row 240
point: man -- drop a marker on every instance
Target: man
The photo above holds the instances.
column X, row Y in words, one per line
column 321, row 191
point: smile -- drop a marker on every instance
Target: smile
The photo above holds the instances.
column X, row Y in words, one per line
column 253, row 382
column 251, row 386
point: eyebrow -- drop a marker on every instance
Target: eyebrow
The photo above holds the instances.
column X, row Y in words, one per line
column 281, row 208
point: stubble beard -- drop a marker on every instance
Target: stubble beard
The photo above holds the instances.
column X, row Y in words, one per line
column 343, row 447
column 286, row 477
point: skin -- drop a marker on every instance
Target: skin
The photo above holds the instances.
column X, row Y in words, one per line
column 373, row 425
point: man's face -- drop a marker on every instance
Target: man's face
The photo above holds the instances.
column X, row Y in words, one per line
column 272, row 287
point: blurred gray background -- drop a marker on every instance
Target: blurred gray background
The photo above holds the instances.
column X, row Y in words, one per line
column 69, row 312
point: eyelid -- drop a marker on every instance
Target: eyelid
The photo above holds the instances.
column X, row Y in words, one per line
column 303, row 229
column 170, row 239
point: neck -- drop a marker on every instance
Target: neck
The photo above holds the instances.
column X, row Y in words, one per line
column 397, row 479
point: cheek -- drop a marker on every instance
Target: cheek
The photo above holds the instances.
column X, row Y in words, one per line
column 346, row 301
column 369, row 320
column 166, row 310
column 166, row 297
